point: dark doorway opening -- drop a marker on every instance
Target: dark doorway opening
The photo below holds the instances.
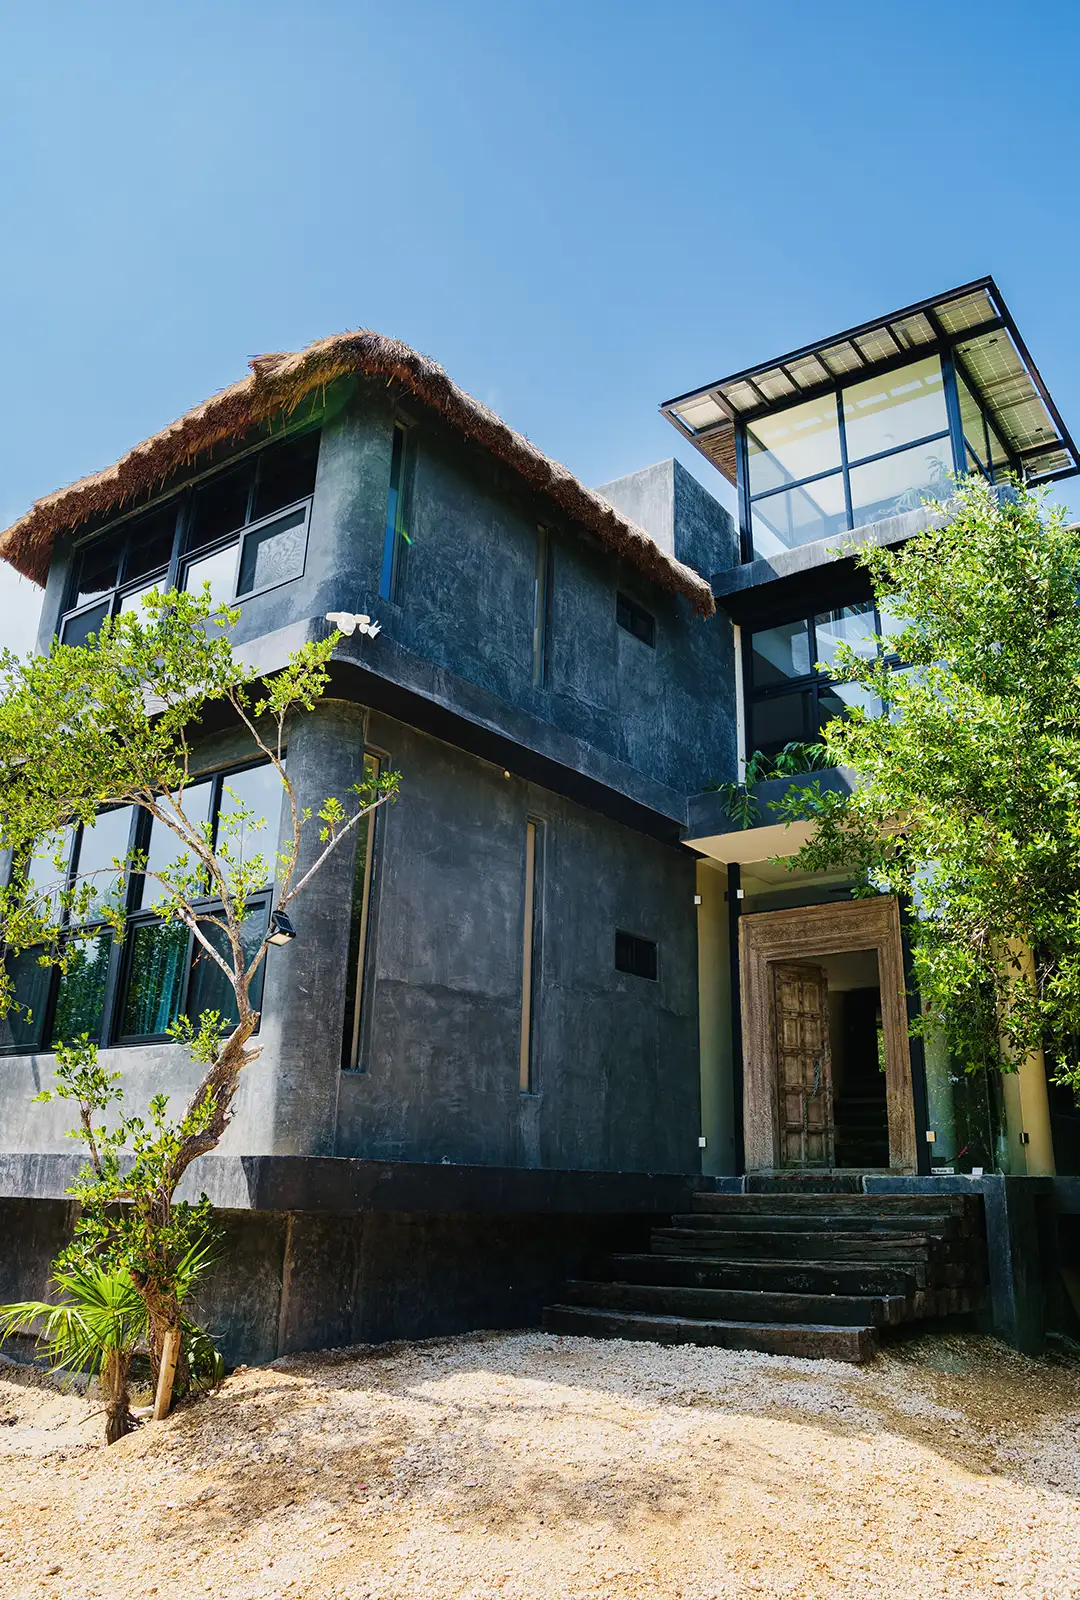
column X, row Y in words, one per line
column 860, row 1108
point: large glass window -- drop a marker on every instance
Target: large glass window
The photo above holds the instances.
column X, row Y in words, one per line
column 790, row 695
column 894, row 409
column 901, row 482
column 801, row 442
column 870, row 449
column 135, row 990
column 248, row 528
column 113, row 571
column 243, row 530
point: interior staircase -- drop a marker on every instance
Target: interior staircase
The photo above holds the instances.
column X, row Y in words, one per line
column 795, row 1269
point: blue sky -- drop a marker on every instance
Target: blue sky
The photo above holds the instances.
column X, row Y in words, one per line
column 579, row 208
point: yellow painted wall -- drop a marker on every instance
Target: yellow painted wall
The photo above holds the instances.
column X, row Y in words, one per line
column 714, row 1022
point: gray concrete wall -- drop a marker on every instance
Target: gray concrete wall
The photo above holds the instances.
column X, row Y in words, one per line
column 680, row 514
column 467, row 602
column 616, row 1065
column 616, row 1055
column 285, row 1282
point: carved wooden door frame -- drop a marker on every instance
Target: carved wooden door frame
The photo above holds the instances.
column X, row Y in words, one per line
column 800, row 935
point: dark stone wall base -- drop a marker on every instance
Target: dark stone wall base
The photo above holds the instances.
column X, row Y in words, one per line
column 291, row 1281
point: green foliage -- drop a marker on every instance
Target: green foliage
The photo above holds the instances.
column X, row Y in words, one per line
column 101, row 1313
column 795, row 758
column 127, row 1217
column 968, row 794
column 111, row 723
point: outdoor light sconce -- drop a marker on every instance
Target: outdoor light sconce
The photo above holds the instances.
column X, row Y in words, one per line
column 350, row 622
column 281, row 929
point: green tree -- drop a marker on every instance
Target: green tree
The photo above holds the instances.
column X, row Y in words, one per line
column 112, row 723
column 94, row 1328
column 968, row 794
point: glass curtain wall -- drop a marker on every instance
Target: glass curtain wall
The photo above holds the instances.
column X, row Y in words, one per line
column 789, row 695
column 857, row 454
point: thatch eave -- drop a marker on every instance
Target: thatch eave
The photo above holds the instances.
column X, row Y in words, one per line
column 276, row 385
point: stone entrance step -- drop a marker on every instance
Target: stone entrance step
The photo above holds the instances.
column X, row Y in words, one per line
column 811, row 1271
column 777, row 1339
column 737, row 1305
column 771, row 1277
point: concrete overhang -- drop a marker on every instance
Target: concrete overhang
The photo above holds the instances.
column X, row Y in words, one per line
column 713, row 832
column 757, row 586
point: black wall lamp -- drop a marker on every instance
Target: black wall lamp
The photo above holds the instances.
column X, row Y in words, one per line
column 281, row 929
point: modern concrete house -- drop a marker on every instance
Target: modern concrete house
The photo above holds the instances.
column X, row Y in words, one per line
column 556, row 995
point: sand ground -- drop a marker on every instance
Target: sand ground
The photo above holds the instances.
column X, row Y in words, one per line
column 523, row 1466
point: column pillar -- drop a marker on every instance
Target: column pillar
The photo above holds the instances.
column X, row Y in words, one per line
column 304, row 1005
column 1027, row 1104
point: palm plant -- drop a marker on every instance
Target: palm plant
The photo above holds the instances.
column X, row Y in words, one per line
column 96, row 1328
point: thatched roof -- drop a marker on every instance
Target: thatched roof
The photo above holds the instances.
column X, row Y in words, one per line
column 277, row 384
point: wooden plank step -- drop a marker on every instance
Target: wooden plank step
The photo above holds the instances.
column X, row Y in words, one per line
column 781, row 1277
column 785, row 1244
column 737, row 1305
column 837, row 1204
column 813, row 1341
column 778, row 1221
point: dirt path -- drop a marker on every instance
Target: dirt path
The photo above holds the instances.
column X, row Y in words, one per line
column 526, row 1467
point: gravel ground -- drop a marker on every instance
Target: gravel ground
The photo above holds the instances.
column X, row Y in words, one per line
column 524, row 1466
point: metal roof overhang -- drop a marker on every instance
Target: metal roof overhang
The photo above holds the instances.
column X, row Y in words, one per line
column 973, row 318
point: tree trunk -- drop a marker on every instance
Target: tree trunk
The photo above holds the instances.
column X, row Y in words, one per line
column 114, row 1381
column 218, row 1087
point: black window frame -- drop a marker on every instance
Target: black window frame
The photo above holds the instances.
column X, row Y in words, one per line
column 135, row 916
column 945, row 348
column 807, row 685
column 174, row 574
column 635, row 952
column 635, row 619
column 397, row 538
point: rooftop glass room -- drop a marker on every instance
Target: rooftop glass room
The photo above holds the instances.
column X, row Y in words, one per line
column 870, row 423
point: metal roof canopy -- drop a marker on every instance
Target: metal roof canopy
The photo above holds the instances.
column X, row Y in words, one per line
column 973, row 319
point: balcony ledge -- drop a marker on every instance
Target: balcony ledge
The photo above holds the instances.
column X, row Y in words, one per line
column 713, row 832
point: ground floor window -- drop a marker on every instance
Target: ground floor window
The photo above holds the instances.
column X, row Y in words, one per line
column 121, row 992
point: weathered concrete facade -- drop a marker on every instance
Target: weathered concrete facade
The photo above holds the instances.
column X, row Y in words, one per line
column 599, row 750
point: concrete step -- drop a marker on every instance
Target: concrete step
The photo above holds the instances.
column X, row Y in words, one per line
column 737, row 1305
column 813, row 1341
column 779, row 1277
column 804, row 1183
column 783, row 1221
column 953, row 1205
column 870, row 1245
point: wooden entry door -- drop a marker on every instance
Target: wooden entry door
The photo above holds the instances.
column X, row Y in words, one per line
column 803, row 1065
column 801, row 937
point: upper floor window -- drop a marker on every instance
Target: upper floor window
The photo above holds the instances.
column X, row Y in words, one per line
column 396, row 537
column 856, row 454
column 789, row 693
column 135, row 990
column 635, row 619
column 243, row 530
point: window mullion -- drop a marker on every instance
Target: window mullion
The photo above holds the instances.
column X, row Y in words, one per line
column 183, row 518
column 844, row 457
column 952, row 411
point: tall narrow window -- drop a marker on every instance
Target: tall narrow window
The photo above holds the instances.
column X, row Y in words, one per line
column 358, row 928
column 396, row 540
column 532, row 930
column 541, row 579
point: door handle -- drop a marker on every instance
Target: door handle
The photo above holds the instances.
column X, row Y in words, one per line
column 817, row 1076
